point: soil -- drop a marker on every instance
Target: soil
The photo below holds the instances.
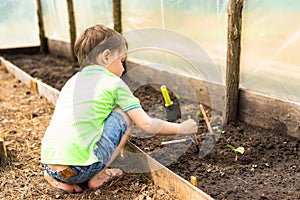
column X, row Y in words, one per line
column 269, row 168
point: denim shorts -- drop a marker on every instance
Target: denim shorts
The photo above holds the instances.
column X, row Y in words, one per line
column 114, row 128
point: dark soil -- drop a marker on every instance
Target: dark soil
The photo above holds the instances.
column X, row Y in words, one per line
column 269, row 168
column 54, row 71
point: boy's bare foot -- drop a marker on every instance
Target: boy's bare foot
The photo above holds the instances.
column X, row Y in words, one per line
column 64, row 186
column 104, row 176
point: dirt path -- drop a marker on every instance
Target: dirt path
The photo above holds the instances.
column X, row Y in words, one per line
column 24, row 118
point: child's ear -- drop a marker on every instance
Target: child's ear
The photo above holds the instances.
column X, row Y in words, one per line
column 105, row 56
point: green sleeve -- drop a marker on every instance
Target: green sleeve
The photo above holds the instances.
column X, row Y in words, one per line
column 124, row 98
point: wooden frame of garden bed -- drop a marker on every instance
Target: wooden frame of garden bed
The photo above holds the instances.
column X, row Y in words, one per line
column 160, row 175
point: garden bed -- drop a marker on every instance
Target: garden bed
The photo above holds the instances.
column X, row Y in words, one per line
column 269, row 168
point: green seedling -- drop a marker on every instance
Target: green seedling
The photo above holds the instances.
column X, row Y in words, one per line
column 198, row 113
column 188, row 107
column 177, row 96
column 8, row 160
column 240, row 150
column 160, row 108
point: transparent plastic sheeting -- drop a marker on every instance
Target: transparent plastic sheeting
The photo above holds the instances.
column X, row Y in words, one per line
column 87, row 13
column 201, row 22
column 270, row 61
column 55, row 16
column 18, row 24
column 91, row 12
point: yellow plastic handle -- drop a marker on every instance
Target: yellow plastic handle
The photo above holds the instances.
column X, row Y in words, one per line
column 166, row 96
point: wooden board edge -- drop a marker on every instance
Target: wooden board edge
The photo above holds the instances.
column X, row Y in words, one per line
column 60, row 48
column 270, row 113
column 162, row 176
column 50, row 93
column 18, row 73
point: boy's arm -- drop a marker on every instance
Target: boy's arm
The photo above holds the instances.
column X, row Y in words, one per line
column 158, row 126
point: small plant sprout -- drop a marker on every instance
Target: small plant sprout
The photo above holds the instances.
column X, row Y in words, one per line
column 160, row 108
column 188, row 107
column 240, row 150
column 198, row 114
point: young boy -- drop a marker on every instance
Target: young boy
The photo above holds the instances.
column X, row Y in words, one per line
column 93, row 116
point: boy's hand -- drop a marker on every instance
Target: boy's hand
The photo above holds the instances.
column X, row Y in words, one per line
column 188, row 127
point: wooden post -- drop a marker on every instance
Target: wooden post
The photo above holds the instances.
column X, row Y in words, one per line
column 3, row 153
column 233, row 59
column 43, row 40
column 193, row 180
column 117, row 16
column 72, row 26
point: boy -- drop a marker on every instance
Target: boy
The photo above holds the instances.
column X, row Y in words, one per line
column 94, row 114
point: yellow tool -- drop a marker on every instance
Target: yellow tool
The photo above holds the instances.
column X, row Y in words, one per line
column 165, row 93
column 172, row 109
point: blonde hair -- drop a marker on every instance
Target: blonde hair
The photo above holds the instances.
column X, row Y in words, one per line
column 94, row 41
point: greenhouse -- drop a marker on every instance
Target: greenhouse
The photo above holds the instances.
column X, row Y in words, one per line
column 228, row 68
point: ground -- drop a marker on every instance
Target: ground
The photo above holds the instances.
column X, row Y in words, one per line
column 269, row 168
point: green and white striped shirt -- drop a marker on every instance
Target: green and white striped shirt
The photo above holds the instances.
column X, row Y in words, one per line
column 84, row 103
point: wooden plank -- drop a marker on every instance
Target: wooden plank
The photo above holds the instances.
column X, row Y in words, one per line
column 50, row 93
column 162, row 176
column 60, row 48
column 233, row 59
column 19, row 74
column 269, row 112
column 37, row 86
column 25, row 50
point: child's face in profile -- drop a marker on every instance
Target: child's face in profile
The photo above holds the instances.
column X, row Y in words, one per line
column 116, row 66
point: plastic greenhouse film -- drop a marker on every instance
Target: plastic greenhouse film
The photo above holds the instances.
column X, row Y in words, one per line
column 270, row 62
column 195, row 32
column 91, row 12
column 18, row 24
column 55, row 16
